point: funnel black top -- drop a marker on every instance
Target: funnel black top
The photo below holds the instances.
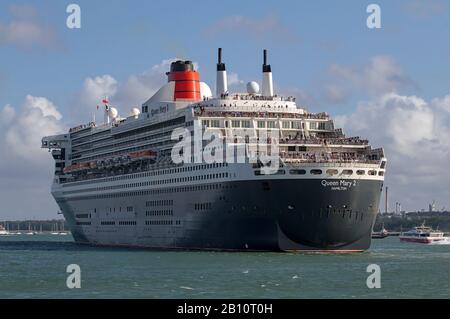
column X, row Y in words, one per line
column 220, row 65
column 266, row 67
column 181, row 66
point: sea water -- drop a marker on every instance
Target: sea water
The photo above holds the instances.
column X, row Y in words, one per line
column 35, row 267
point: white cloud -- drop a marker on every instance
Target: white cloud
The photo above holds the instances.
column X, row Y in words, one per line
column 46, row 106
column 379, row 75
column 140, row 87
column 25, row 169
column 233, row 79
column 7, row 114
column 22, row 132
column 443, row 103
column 137, row 89
column 416, row 137
column 25, row 29
column 94, row 89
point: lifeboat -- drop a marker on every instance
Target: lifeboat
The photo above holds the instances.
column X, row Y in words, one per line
column 142, row 155
column 111, row 162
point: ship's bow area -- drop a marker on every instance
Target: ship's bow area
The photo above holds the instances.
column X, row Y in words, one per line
column 324, row 215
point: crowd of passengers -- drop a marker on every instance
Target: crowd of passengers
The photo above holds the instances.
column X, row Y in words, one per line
column 253, row 97
column 202, row 111
column 325, row 157
column 325, row 141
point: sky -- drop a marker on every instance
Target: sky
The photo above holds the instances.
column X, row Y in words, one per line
column 390, row 85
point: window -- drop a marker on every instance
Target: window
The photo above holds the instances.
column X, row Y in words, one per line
column 347, row 172
column 360, row 172
column 215, row 123
column 286, row 125
column 297, row 172
column 261, row 124
column 246, row 124
column 316, row 172
column 372, row 173
column 312, row 125
column 332, row 172
column 322, row 126
column 235, row 123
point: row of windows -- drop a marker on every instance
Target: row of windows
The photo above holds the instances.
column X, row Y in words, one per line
column 162, row 222
column 167, row 212
column 162, row 202
column 82, row 216
column 265, row 124
column 133, row 223
column 108, row 223
column 79, row 157
column 152, row 183
column 83, row 223
column 203, row 206
column 331, row 172
column 148, row 128
column 129, row 209
column 170, row 171
column 169, row 190
column 158, row 139
column 127, row 223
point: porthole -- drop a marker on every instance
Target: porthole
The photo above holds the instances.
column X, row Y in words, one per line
column 332, row 172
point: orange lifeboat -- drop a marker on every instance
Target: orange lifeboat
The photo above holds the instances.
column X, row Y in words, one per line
column 141, row 155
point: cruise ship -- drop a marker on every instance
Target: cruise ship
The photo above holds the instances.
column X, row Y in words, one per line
column 193, row 170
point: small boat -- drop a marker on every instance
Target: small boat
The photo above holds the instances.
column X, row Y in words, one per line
column 55, row 229
column 30, row 232
column 18, row 230
column 3, row 231
column 424, row 235
column 383, row 233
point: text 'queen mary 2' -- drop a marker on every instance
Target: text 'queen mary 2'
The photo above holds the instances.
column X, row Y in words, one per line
column 117, row 183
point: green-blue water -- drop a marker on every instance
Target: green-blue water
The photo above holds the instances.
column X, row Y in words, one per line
column 35, row 267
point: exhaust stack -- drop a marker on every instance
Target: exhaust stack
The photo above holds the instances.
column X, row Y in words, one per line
column 267, row 82
column 222, row 84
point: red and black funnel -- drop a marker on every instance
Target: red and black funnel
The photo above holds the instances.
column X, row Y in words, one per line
column 187, row 81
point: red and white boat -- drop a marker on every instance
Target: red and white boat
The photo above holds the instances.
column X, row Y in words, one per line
column 423, row 234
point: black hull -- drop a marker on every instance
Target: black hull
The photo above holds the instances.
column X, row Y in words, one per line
column 272, row 215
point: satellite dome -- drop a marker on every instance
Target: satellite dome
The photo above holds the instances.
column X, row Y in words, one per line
column 205, row 90
column 252, row 87
column 135, row 112
column 113, row 113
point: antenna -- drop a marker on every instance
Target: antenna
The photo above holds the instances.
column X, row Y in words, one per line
column 267, row 82
column 222, row 81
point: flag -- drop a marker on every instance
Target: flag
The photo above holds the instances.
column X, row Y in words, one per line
column 105, row 101
column 98, row 107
